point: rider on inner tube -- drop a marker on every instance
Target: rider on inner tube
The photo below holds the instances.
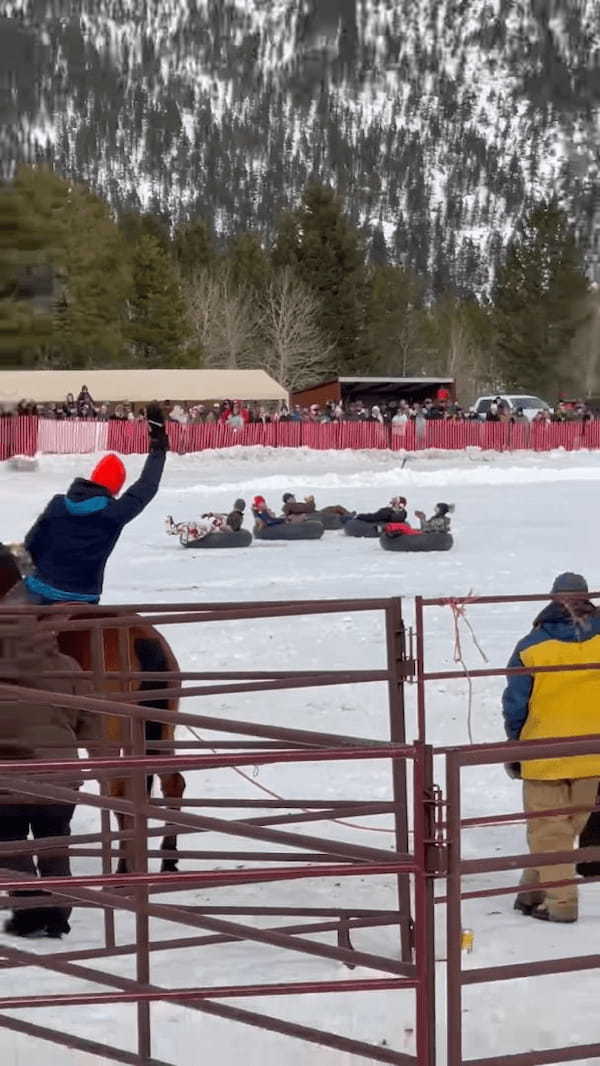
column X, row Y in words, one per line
column 263, row 515
column 297, row 512
column 438, row 523
column 394, row 512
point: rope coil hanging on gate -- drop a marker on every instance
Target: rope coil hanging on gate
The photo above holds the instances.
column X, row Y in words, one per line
column 458, row 608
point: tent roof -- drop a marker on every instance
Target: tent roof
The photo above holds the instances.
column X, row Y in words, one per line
column 139, row 386
column 441, row 380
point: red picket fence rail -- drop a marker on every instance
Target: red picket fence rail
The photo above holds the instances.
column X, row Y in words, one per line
column 29, row 436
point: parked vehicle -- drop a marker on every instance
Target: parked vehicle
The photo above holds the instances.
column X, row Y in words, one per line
column 530, row 404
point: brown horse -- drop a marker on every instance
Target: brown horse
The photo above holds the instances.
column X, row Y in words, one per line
column 145, row 650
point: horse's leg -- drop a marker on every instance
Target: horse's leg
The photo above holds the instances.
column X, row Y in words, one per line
column 152, row 658
column 122, row 864
column 173, row 788
column 124, row 822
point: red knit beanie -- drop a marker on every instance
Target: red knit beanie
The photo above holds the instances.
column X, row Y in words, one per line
column 110, row 473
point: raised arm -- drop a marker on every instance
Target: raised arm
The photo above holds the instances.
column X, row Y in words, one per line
column 133, row 502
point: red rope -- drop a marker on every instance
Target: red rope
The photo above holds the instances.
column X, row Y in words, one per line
column 275, row 795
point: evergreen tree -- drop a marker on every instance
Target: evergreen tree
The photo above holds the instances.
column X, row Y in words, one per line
column 394, row 318
column 94, row 279
column 64, row 276
column 322, row 246
column 134, row 225
column 158, row 326
column 193, row 247
column 248, row 263
column 378, row 249
column 31, row 234
column 540, row 301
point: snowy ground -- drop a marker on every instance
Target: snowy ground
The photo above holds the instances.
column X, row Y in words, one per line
column 519, row 521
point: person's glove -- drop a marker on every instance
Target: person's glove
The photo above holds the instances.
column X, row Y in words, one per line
column 513, row 769
column 159, row 441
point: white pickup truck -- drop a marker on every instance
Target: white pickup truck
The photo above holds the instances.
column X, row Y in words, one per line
column 530, row 404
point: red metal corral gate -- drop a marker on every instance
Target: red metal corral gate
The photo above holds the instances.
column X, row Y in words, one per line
column 284, row 842
column 272, row 841
column 456, row 868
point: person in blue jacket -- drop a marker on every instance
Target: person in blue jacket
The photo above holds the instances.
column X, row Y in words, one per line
column 263, row 514
column 552, row 705
column 72, row 540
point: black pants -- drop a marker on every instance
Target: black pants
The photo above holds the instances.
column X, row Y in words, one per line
column 42, row 820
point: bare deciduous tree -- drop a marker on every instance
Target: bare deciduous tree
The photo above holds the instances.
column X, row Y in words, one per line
column 296, row 354
column 460, row 345
column 223, row 317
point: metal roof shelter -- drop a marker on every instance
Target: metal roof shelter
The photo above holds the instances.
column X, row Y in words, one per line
column 139, row 386
column 374, row 390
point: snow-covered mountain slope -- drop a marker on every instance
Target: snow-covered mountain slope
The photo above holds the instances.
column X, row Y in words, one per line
column 437, row 118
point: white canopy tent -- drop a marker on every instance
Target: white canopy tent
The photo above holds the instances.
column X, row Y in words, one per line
column 139, row 386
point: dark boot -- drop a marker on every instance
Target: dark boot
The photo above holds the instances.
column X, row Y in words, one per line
column 530, row 896
column 26, row 923
column 57, row 926
column 565, row 915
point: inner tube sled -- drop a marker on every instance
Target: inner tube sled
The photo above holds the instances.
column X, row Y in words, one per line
column 418, row 542
column 241, row 539
column 357, row 528
column 290, row 531
column 328, row 519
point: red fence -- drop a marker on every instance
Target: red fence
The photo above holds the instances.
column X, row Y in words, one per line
column 27, row 436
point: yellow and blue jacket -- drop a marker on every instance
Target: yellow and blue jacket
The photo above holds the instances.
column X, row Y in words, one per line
column 561, row 704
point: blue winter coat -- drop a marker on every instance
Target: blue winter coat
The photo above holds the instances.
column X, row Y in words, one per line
column 72, row 540
column 268, row 519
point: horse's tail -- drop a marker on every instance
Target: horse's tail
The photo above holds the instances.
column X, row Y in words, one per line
column 152, row 658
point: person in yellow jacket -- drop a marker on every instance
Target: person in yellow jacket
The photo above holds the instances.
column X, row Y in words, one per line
column 561, row 704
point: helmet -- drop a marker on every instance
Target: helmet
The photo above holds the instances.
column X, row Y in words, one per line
column 258, row 501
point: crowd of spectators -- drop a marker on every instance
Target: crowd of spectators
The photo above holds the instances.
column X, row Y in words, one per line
column 441, row 410
column 237, row 413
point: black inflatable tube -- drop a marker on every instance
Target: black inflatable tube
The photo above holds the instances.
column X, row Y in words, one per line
column 329, row 520
column 356, row 528
column 291, row 531
column 421, row 542
column 241, row 539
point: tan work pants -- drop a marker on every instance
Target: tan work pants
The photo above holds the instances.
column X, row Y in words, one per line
column 557, row 833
